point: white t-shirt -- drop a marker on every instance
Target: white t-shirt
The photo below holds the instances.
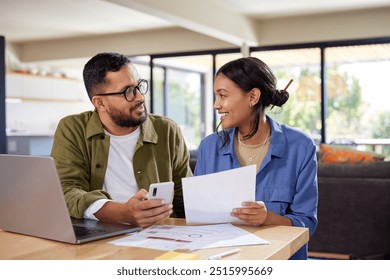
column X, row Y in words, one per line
column 119, row 179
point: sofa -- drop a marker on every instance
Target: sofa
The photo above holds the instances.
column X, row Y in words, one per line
column 353, row 211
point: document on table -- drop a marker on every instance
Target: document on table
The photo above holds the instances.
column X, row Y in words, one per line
column 209, row 199
column 169, row 237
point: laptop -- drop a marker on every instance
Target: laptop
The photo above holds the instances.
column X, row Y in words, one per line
column 32, row 203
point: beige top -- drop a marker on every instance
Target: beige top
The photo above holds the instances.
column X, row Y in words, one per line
column 251, row 154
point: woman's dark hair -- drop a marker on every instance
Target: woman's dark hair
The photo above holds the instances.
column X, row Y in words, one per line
column 249, row 73
column 96, row 68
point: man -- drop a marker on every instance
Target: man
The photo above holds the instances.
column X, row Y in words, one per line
column 107, row 158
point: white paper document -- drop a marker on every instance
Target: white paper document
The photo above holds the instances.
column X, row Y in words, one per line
column 209, row 199
column 169, row 238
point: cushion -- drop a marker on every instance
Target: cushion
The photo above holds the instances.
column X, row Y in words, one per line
column 334, row 154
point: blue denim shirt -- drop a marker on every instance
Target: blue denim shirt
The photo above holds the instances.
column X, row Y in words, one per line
column 286, row 180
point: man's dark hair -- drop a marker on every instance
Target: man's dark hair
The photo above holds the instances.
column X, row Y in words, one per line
column 95, row 70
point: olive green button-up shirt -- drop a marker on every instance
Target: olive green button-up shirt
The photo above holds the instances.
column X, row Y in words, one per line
column 80, row 151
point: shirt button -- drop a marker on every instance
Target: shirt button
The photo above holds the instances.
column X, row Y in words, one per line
column 98, row 165
column 139, row 172
column 102, row 136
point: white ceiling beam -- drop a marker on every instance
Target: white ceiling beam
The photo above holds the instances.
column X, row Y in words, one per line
column 201, row 16
column 157, row 41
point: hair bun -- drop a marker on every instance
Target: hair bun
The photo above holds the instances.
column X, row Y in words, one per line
column 280, row 97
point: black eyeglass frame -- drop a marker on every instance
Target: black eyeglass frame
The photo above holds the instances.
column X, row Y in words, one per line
column 126, row 91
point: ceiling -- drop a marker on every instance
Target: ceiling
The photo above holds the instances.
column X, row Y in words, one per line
column 31, row 20
column 28, row 25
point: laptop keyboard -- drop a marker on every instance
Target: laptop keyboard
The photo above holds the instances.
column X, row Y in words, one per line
column 85, row 231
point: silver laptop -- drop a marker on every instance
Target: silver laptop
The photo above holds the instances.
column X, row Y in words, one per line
column 32, row 203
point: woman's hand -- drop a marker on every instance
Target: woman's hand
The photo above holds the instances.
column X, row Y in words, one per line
column 253, row 213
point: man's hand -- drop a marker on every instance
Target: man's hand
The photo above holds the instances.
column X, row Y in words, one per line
column 138, row 210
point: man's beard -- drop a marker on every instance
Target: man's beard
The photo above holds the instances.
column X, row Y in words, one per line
column 124, row 120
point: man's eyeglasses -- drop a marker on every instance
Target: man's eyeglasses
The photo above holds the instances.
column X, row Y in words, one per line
column 131, row 91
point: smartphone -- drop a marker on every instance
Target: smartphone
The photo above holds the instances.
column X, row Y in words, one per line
column 162, row 191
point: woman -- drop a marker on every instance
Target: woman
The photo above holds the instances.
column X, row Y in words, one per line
column 286, row 180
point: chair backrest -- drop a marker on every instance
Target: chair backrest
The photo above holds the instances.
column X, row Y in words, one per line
column 353, row 210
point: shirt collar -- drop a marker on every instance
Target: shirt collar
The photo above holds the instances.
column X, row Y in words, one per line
column 278, row 140
column 94, row 125
column 148, row 133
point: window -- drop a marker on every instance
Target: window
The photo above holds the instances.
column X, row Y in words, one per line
column 358, row 110
column 303, row 108
column 179, row 85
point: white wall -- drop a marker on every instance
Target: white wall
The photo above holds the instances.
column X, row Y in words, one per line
column 35, row 104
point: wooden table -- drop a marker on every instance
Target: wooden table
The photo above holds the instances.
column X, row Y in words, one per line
column 284, row 242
